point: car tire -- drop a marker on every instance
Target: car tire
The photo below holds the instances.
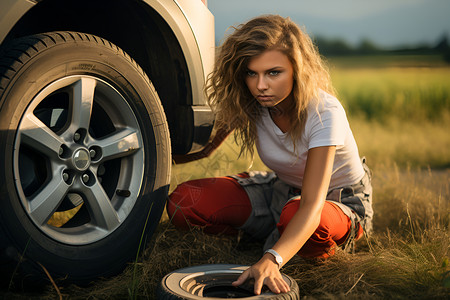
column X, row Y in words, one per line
column 214, row 281
column 85, row 156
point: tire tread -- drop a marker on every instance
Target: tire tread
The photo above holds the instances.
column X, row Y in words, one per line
column 28, row 47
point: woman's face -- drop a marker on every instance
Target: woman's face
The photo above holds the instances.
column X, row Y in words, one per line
column 270, row 78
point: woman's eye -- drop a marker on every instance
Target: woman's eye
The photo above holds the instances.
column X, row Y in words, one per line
column 251, row 73
column 274, row 73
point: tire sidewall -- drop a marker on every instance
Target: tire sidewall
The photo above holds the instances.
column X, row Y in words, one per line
column 100, row 61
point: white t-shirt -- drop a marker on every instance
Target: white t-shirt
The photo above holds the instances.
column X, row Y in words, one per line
column 325, row 126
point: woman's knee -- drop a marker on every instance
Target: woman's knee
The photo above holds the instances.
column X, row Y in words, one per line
column 319, row 245
column 207, row 202
column 181, row 203
column 189, row 193
column 333, row 228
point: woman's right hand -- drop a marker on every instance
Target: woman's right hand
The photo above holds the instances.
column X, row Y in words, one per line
column 264, row 272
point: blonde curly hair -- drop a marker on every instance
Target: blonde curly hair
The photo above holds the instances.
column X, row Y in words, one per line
column 228, row 95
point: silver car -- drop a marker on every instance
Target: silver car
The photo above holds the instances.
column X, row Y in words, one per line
column 95, row 97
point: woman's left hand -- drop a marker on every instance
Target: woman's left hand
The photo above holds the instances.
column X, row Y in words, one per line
column 265, row 272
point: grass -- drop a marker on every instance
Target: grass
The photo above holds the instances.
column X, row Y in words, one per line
column 408, row 143
column 407, row 257
column 400, row 114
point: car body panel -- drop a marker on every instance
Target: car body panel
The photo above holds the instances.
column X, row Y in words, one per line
column 10, row 14
column 191, row 24
column 187, row 19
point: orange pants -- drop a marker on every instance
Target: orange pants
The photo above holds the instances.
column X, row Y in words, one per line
column 221, row 205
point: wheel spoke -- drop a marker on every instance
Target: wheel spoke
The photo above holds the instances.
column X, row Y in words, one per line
column 71, row 116
column 123, row 143
column 102, row 212
column 38, row 136
column 83, row 97
column 45, row 203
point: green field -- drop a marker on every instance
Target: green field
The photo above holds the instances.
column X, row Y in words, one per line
column 399, row 111
column 399, row 115
column 406, row 93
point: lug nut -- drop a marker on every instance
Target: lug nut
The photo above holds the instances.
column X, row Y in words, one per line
column 85, row 178
column 61, row 151
column 76, row 137
column 92, row 153
column 101, row 170
column 65, row 177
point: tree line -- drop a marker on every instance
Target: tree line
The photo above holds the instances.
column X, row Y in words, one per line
column 339, row 47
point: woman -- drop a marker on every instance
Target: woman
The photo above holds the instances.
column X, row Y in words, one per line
column 270, row 86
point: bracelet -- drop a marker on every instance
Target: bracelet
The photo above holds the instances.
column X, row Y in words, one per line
column 277, row 256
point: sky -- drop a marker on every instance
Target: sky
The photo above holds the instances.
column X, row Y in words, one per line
column 387, row 23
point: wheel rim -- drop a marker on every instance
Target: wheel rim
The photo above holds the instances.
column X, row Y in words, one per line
column 216, row 284
column 78, row 160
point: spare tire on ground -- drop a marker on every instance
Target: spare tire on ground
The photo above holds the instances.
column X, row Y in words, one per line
column 214, row 281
